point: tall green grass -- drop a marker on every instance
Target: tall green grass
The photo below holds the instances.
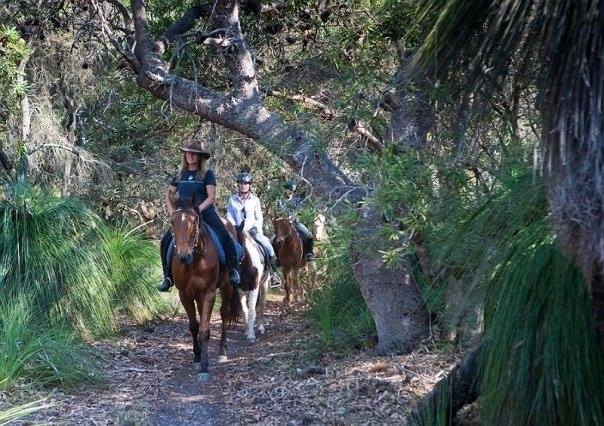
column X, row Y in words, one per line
column 65, row 276
column 542, row 363
column 337, row 308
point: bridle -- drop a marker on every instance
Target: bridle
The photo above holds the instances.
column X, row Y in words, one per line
column 289, row 232
column 192, row 251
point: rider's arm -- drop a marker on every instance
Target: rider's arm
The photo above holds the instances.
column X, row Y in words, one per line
column 211, row 190
column 231, row 212
column 170, row 199
column 259, row 217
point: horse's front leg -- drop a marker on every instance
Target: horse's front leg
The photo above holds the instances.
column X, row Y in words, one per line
column 205, row 304
column 243, row 298
column 251, row 318
column 287, row 284
column 189, row 305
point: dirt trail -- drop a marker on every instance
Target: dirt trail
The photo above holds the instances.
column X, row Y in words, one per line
column 283, row 378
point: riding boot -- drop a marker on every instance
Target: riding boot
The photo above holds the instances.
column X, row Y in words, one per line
column 166, row 251
column 234, row 277
column 165, row 284
column 272, row 263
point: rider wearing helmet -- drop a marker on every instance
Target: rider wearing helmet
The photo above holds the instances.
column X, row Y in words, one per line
column 244, row 207
column 290, row 206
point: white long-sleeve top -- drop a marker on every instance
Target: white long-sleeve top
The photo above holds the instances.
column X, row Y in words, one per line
column 253, row 213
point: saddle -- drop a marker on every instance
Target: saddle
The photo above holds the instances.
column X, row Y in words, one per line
column 218, row 244
column 263, row 250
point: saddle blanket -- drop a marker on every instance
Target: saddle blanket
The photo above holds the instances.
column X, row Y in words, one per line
column 220, row 247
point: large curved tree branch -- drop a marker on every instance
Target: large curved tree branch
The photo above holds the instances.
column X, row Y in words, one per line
column 241, row 109
column 402, row 324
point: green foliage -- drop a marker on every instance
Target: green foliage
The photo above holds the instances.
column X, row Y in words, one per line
column 13, row 50
column 43, row 355
column 64, row 274
column 542, row 364
column 337, row 308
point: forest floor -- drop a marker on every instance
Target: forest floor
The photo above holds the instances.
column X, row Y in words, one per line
column 285, row 377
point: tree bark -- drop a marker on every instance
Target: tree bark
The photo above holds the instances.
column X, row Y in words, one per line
column 23, row 167
column 451, row 394
column 392, row 295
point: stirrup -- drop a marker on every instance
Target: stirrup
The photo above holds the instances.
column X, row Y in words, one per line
column 234, row 277
column 165, row 285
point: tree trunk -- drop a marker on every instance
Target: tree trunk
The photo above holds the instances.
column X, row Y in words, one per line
column 392, row 295
column 23, row 166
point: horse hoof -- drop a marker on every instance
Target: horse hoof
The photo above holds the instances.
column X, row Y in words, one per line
column 203, row 377
column 222, row 359
column 261, row 329
column 251, row 339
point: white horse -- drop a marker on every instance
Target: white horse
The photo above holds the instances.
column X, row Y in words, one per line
column 255, row 280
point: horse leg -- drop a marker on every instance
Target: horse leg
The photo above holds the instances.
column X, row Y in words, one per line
column 189, row 305
column 204, row 305
column 263, row 290
column 287, row 284
column 296, row 285
column 243, row 298
column 251, row 320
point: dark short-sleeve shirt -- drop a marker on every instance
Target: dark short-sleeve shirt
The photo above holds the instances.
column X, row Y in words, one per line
column 189, row 184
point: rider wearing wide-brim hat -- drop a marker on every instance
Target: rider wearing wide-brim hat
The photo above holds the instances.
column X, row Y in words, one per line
column 194, row 178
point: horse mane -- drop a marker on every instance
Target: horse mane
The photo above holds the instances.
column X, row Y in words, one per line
column 184, row 204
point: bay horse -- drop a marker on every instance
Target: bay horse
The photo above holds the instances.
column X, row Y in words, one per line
column 255, row 280
column 290, row 253
column 197, row 275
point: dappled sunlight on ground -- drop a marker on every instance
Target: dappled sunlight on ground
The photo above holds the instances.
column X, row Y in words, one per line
column 281, row 378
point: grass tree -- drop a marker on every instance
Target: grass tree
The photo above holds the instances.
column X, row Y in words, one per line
column 563, row 41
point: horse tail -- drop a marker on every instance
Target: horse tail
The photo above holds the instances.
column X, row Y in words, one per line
column 233, row 305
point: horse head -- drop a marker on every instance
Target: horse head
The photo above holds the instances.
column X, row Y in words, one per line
column 283, row 228
column 186, row 229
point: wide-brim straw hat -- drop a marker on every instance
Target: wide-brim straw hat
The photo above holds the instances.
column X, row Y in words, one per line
column 200, row 148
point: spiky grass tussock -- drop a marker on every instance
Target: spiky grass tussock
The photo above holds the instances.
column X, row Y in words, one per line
column 15, row 413
column 542, row 363
column 65, row 275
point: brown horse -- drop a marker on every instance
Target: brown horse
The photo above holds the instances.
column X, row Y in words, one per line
column 197, row 275
column 290, row 253
column 255, row 280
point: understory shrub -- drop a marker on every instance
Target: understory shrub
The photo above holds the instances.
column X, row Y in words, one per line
column 65, row 277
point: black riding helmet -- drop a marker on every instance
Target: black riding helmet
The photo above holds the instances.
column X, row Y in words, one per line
column 244, row 177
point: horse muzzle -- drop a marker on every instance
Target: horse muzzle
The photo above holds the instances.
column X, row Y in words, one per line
column 187, row 259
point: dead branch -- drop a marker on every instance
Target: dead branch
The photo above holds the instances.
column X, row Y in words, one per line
column 330, row 114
